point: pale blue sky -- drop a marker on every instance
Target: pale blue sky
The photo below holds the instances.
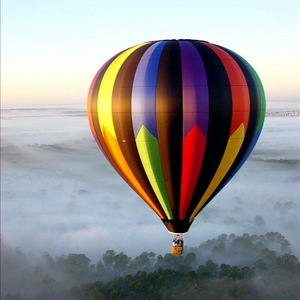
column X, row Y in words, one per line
column 51, row 49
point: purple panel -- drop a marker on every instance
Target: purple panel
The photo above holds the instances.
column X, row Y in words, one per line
column 195, row 89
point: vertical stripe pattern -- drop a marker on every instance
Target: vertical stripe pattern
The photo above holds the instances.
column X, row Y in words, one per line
column 176, row 119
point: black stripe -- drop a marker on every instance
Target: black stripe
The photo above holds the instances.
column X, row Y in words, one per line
column 220, row 114
column 169, row 120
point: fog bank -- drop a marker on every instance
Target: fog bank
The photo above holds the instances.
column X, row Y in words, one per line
column 58, row 194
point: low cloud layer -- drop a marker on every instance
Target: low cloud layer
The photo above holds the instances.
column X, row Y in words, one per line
column 58, row 194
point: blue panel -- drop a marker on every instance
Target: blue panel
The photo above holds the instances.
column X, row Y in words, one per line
column 144, row 90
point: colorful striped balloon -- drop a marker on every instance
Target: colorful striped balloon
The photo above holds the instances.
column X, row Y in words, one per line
column 176, row 119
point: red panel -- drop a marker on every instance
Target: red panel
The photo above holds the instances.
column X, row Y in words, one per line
column 192, row 157
column 239, row 89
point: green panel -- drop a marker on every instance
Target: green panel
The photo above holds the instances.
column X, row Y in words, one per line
column 148, row 150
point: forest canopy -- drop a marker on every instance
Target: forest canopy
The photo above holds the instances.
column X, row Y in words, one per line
column 227, row 267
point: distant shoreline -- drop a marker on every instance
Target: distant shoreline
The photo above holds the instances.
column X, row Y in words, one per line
column 292, row 113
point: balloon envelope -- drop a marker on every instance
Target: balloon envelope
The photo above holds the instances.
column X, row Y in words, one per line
column 176, row 119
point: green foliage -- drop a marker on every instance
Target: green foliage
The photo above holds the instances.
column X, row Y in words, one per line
column 214, row 270
column 235, row 283
column 145, row 262
column 76, row 266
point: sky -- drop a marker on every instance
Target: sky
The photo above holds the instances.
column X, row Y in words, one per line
column 51, row 49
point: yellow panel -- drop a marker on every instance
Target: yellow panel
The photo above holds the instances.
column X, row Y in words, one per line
column 145, row 158
column 232, row 149
column 119, row 159
column 106, row 90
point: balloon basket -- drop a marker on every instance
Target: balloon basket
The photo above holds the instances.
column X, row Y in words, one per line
column 177, row 245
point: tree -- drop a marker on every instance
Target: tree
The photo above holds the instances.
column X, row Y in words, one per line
column 116, row 263
column 47, row 260
column 260, row 265
column 288, row 262
column 277, row 242
column 76, row 267
column 100, row 270
column 145, row 262
column 120, row 263
column 95, row 294
column 210, row 269
column 224, row 270
column 169, row 261
column 108, row 259
column 189, row 261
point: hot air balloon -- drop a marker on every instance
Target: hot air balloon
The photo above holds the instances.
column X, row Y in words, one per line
column 176, row 119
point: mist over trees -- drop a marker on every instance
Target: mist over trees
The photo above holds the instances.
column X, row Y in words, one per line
column 227, row 267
